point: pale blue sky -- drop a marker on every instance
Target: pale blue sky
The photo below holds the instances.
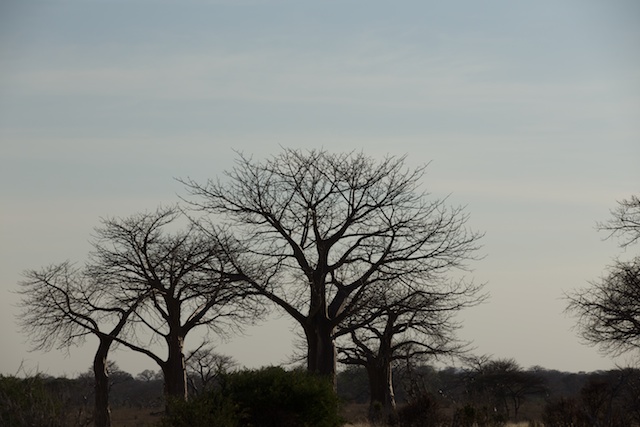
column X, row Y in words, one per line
column 529, row 112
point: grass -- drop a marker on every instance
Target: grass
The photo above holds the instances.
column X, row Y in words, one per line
column 355, row 414
column 366, row 424
column 135, row 417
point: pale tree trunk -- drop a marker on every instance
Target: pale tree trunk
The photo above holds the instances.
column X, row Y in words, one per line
column 382, row 403
column 102, row 412
column 321, row 350
column 175, row 376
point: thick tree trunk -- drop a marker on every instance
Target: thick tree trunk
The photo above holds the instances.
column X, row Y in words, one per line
column 321, row 350
column 175, row 376
column 102, row 412
column 382, row 404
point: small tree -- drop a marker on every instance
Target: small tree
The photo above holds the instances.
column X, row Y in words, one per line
column 183, row 275
column 504, row 384
column 403, row 322
column 62, row 305
column 608, row 311
column 148, row 375
column 205, row 367
column 141, row 281
column 322, row 228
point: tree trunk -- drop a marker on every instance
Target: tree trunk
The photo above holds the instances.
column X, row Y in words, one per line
column 175, row 376
column 382, row 403
column 321, row 350
column 102, row 412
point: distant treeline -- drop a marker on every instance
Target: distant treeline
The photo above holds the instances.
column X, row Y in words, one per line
column 495, row 394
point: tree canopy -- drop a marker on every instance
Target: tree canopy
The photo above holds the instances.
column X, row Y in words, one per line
column 608, row 311
column 312, row 231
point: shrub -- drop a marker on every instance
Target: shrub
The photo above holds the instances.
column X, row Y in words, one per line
column 274, row 397
column 424, row 411
column 268, row 397
column 210, row 409
column 27, row 402
column 471, row 415
column 564, row 412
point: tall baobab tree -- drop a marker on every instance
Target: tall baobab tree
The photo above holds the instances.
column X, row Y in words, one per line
column 323, row 228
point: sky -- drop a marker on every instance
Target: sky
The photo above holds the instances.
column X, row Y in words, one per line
column 528, row 114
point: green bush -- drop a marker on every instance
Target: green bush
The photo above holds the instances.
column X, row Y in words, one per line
column 275, row 397
column 210, row 409
column 27, row 402
column 268, row 397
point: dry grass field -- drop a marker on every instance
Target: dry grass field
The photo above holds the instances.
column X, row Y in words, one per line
column 133, row 417
column 354, row 414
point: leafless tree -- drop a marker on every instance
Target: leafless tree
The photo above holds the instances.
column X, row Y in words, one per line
column 62, row 305
column 502, row 383
column 147, row 281
column 625, row 221
column 182, row 271
column 323, row 228
column 403, row 323
column 148, row 375
column 205, row 366
column 608, row 311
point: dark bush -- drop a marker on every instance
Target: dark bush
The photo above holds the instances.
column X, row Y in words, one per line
column 27, row 402
column 424, row 411
column 564, row 412
column 273, row 397
column 210, row 409
column 269, row 397
column 472, row 415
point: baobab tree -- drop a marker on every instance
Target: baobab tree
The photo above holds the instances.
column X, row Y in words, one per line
column 62, row 305
column 146, row 281
column 182, row 272
column 403, row 323
column 323, row 228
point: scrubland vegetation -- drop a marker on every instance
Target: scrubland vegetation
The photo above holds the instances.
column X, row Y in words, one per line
column 500, row 395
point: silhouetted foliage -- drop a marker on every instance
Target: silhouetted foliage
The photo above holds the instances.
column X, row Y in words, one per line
column 501, row 384
column 62, row 305
column 27, row 402
column 139, row 275
column 425, row 411
column 403, row 323
column 205, row 368
column 608, row 399
column 273, row 397
column 209, row 409
column 149, row 375
column 563, row 412
column 312, row 231
column 471, row 415
column 353, row 384
column 608, row 312
column 269, row 397
column 180, row 273
column 625, row 221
